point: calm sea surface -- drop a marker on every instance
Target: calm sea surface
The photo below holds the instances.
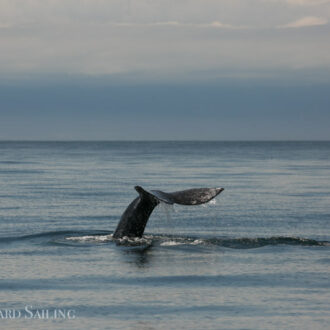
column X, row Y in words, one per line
column 258, row 258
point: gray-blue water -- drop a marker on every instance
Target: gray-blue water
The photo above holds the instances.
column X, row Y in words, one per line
column 256, row 259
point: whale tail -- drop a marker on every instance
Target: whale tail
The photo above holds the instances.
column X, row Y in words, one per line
column 135, row 217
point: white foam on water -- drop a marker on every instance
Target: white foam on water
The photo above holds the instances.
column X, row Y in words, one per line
column 185, row 242
column 171, row 243
column 107, row 238
column 196, row 242
column 91, row 238
column 134, row 240
column 210, row 203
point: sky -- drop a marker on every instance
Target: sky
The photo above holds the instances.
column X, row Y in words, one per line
column 164, row 70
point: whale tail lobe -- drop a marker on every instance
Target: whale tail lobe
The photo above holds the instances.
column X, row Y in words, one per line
column 195, row 196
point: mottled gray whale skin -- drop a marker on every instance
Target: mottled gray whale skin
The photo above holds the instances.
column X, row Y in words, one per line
column 135, row 218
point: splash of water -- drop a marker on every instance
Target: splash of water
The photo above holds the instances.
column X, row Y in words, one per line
column 210, row 203
column 165, row 213
column 167, row 209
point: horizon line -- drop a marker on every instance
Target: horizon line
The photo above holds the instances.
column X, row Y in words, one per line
column 163, row 140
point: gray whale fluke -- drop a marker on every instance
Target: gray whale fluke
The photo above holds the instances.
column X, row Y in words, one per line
column 133, row 221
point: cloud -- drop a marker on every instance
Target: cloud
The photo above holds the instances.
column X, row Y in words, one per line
column 300, row 2
column 305, row 22
column 217, row 24
column 171, row 38
column 214, row 24
column 307, row 2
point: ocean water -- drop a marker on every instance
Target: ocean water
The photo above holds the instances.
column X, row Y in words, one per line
column 256, row 258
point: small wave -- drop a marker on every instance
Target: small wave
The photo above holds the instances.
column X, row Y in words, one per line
column 9, row 162
column 51, row 235
column 126, row 241
column 15, row 162
column 250, row 243
column 20, row 171
column 84, row 236
column 238, row 243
